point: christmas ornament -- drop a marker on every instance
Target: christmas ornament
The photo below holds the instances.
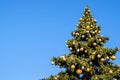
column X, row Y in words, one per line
column 83, row 36
column 71, row 48
column 94, row 53
column 96, row 31
column 87, row 31
column 110, row 71
column 78, row 50
column 78, row 71
column 99, row 40
column 88, row 69
column 113, row 57
column 94, row 44
column 93, row 32
column 63, row 58
column 72, row 66
column 81, row 49
column 98, row 56
column 91, row 26
column 102, row 59
column 81, row 19
column 107, row 57
column 87, row 27
column 114, row 79
column 83, row 67
column 55, row 78
column 77, row 34
column 86, row 12
column 91, row 63
column 92, row 57
column 73, row 33
column 85, row 51
column 101, row 43
column 96, row 78
column 73, row 42
column 52, row 62
column 77, row 24
column 66, row 45
column 90, row 36
column 99, row 32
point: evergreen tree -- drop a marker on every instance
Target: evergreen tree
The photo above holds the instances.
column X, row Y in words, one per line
column 89, row 59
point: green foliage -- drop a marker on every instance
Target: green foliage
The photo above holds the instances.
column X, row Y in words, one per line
column 89, row 59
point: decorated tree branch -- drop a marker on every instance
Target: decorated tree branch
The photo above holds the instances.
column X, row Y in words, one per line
column 88, row 59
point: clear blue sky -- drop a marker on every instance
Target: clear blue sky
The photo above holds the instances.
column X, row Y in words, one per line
column 33, row 31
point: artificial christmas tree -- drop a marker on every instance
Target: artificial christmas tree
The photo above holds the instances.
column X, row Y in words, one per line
column 89, row 59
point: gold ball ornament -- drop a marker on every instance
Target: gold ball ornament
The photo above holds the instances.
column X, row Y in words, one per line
column 73, row 33
column 91, row 63
column 102, row 59
column 87, row 31
column 96, row 31
column 85, row 51
column 92, row 57
column 96, row 78
column 113, row 57
column 77, row 34
column 81, row 19
column 72, row 66
column 52, row 62
column 78, row 50
column 98, row 56
column 88, row 69
column 110, row 71
column 78, row 71
column 73, row 42
column 55, row 78
column 91, row 26
column 81, row 49
column 86, row 12
column 94, row 53
column 83, row 36
column 70, row 48
column 63, row 58
column 83, row 67
column 107, row 57
column 101, row 43
column 100, row 40
column 114, row 79
column 94, row 44
column 99, row 32
column 93, row 32
column 87, row 27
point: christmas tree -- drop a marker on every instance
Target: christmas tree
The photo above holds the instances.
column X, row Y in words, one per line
column 89, row 59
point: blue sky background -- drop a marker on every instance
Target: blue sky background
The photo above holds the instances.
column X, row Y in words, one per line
column 33, row 31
